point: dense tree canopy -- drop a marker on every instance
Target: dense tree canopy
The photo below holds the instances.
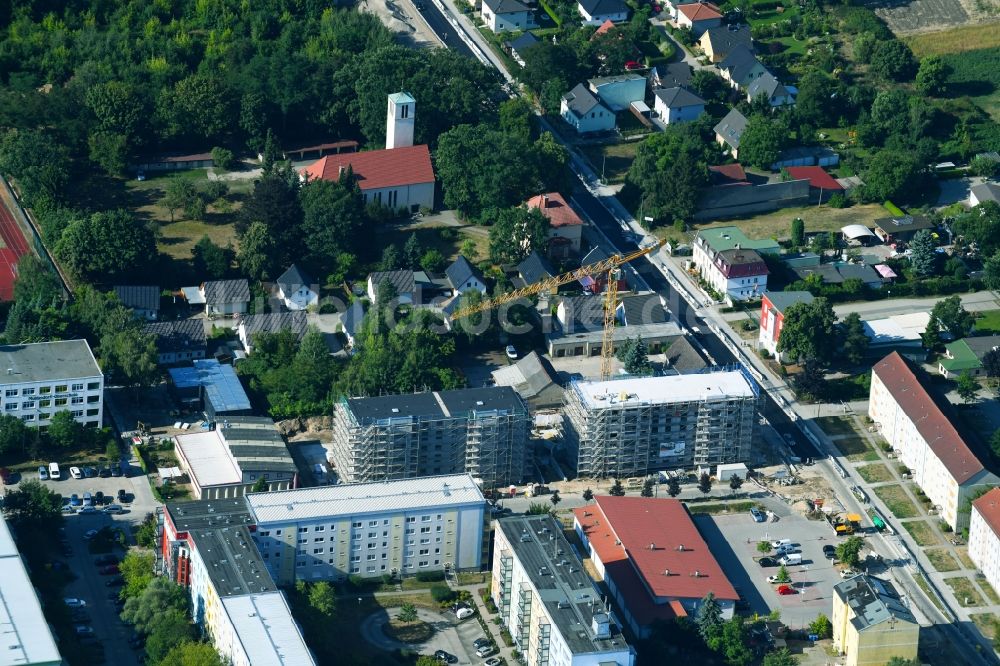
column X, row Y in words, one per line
column 515, row 232
column 105, row 246
column 763, row 140
column 980, row 225
column 808, row 330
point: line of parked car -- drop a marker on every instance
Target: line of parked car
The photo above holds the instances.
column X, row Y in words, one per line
column 89, row 502
column 53, row 473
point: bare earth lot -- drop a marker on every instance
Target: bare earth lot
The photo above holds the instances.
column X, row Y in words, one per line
column 916, row 16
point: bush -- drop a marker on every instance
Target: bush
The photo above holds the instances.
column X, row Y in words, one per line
column 765, row 354
column 222, row 158
column 430, row 576
column 442, row 593
column 838, row 201
column 505, row 635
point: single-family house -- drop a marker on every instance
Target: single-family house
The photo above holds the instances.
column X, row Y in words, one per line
column 768, row 87
column 741, row 67
column 773, row 305
column 821, row 184
column 296, row 290
column 462, row 276
column 534, row 268
column 178, row 341
column 840, row 273
column 142, row 300
column 565, row 226
column 507, row 15
column 519, row 46
column 225, row 297
column 175, row 162
column 617, row 92
column 596, row 12
column 671, row 75
column 966, row 355
column 270, row 322
column 534, row 379
column 351, row 323
column 677, row 105
column 639, row 309
column 902, row 229
column 602, row 29
column 984, row 192
column 718, row 42
column 699, row 17
column 729, row 130
column 581, row 109
column 400, row 282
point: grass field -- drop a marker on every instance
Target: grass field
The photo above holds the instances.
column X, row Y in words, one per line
column 963, row 556
column 615, row 159
column 836, row 425
column 986, row 623
column 988, row 590
column 976, row 74
column 988, row 321
column 941, row 559
column 955, row 40
column 896, row 500
column 964, row 591
column 922, row 584
column 875, row 473
column 922, row 533
column 777, row 224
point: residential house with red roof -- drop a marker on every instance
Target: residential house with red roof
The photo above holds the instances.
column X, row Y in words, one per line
column 917, row 422
column 984, row 536
column 739, row 274
column 565, row 226
column 650, row 555
column 699, row 17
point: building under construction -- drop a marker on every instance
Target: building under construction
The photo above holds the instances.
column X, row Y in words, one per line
column 481, row 431
column 637, row 426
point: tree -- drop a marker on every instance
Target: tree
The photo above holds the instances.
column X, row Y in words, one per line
column 980, row 225
column 64, row 431
column 668, row 172
column 780, row 657
column 673, row 486
column 782, row 574
column 763, row 547
column 821, row 626
column 112, row 452
column 991, row 272
column 137, row 571
column 923, row 256
column 169, row 629
column 991, row 363
column 412, row 252
column 515, row 232
column 735, row 482
column 708, row 617
column 179, row 195
column 634, row 355
column 555, row 499
column 984, row 166
column 808, row 330
column 809, row 382
column 891, row 59
column 853, row 341
column 107, row 245
column 260, row 485
column 617, row 489
column 931, row 337
column 953, row 317
column 538, row 509
column 38, row 161
column 798, row 232
column 731, row 642
column 129, row 356
column 849, row 550
column 705, row 483
column 588, row 495
column 32, row 505
column 932, row 76
column 333, row 218
column 145, row 534
column 407, row 613
column 222, row 158
column 894, row 176
column 275, row 202
column 196, row 107
column 257, row 252
column 211, row 261
column 647, row 488
column 160, row 596
column 967, row 387
column 708, row 85
column 899, row 661
column 433, row 261
column 190, row 653
column 13, row 434
column 762, row 141
column 323, row 598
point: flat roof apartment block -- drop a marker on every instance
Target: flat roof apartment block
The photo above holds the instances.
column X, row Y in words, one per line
column 638, row 425
column 547, row 601
column 43, row 378
column 482, row 431
column 370, row 529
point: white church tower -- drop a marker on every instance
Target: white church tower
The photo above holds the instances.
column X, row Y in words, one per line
column 399, row 121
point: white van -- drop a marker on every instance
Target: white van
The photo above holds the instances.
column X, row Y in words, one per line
column 54, row 471
column 791, row 558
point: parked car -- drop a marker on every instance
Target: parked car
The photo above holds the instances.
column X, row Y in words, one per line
column 481, row 642
column 74, row 500
column 75, row 472
column 116, row 470
column 462, row 613
column 105, row 560
column 849, row 573
column 485, row 651
column 83, row 630
column 445, row 657
column 115, row 582
column 69, row 508
column 105, row 472
column 767, row 562
column 54, row 473
column 511, row 352
column 780, row 543
column 88, row 499
column 87, row 509
column 89, row 534
column 98, row 498
column 758, row 517
column 73, row 602
column 632, row 64
column 773, row 579
column 43, row 473
column 89, row 472
column 493, row 661
column 790, row 559
column 786, row 589
column 5, row 475
column 122, row 495
column 829, row 552
column 114, row 508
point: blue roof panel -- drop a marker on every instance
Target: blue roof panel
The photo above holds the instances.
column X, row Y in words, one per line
column 222, row 387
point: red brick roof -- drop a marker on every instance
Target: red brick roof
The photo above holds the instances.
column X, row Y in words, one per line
column 622, row 529
column 700, row 11
column 989, row 508
column 728, row 174
column 932, row 423
column 554, row 207
column 607, row 25
column 816, row 176
column 737, row 263
column 375, row 169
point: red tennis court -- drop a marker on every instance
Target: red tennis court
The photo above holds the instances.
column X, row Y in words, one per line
column 16, row 248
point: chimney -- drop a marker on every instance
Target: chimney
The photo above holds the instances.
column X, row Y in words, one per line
column 545, row 201
column 340, row 170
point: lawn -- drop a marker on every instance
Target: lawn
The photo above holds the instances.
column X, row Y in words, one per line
column 976, row 74
column 991, row 594
column 613, row 160
column 777, row 224
column 955, row 40
column 921, row 532
column 896, row 500
column 986, row 623
column 435, row 234
column 988, row 322
column 836, row 425
column 875, row 473
column 941, row 559
column 965, row 591
column 772, row 16
column 963, row 556
column 922, row 584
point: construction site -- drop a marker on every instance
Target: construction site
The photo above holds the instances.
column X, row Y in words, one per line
column 637, row 426
column 482, row 431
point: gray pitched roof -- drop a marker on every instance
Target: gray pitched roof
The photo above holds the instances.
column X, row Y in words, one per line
column 731, row 128
column 535, row 268
column 227, row 291
column 136, row 297
column 352, row 319
column 402, row 281
column 782, row 300
column 529, row 376
column 594, row 7
column 673, row 75
column 739, row 62
column 642, row 309
column 727, row 37
column 683, row 357
column 293, row 278
column 583, row 313
column 176, row 336
column 526, row 40
column 873, row 601
column 676, row 98
column 768, row 85
column 987, row 192
column 505, row 6
column 982, row 344
column 461, row 271
column 273, row 322
column 595, row 255
column 580, row 100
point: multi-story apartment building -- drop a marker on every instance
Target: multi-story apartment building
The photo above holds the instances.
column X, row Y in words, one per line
column 984, row 536
column 43, row 378
column 915, row 421
column 871, row 623
column 207, row 547
column 547, row 601
column 481, row 431
column 370, row 529
column 731, row 263
column 636, row 426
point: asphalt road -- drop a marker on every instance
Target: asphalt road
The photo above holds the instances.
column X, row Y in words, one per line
column 442, row 28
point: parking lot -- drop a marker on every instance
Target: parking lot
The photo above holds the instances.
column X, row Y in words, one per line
column 733, row 540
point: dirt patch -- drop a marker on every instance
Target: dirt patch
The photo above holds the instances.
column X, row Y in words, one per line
column 956, row 40
column 916, row 16
column 408, row 632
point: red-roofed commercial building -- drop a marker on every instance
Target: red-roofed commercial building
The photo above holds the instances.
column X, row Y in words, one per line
column 984, row 536
column 397, row 178
column 651, row 557
column 566, row 227
column 914, row 421
column 699, row 17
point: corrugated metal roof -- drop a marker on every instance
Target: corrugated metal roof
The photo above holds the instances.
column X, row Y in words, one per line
column 267, row 631
column 360, row 498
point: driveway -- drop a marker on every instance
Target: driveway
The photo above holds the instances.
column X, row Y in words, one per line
column 448, row 635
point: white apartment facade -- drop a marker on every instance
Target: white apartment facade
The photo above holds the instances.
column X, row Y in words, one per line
column 548, row 602
column 370, row 529
column 984, row 536
column 910, row 420
column 48, row 377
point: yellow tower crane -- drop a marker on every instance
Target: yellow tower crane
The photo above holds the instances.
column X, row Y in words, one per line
column 611, row 266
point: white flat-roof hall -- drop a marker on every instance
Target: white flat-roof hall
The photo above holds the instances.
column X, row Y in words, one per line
column 664, row 390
